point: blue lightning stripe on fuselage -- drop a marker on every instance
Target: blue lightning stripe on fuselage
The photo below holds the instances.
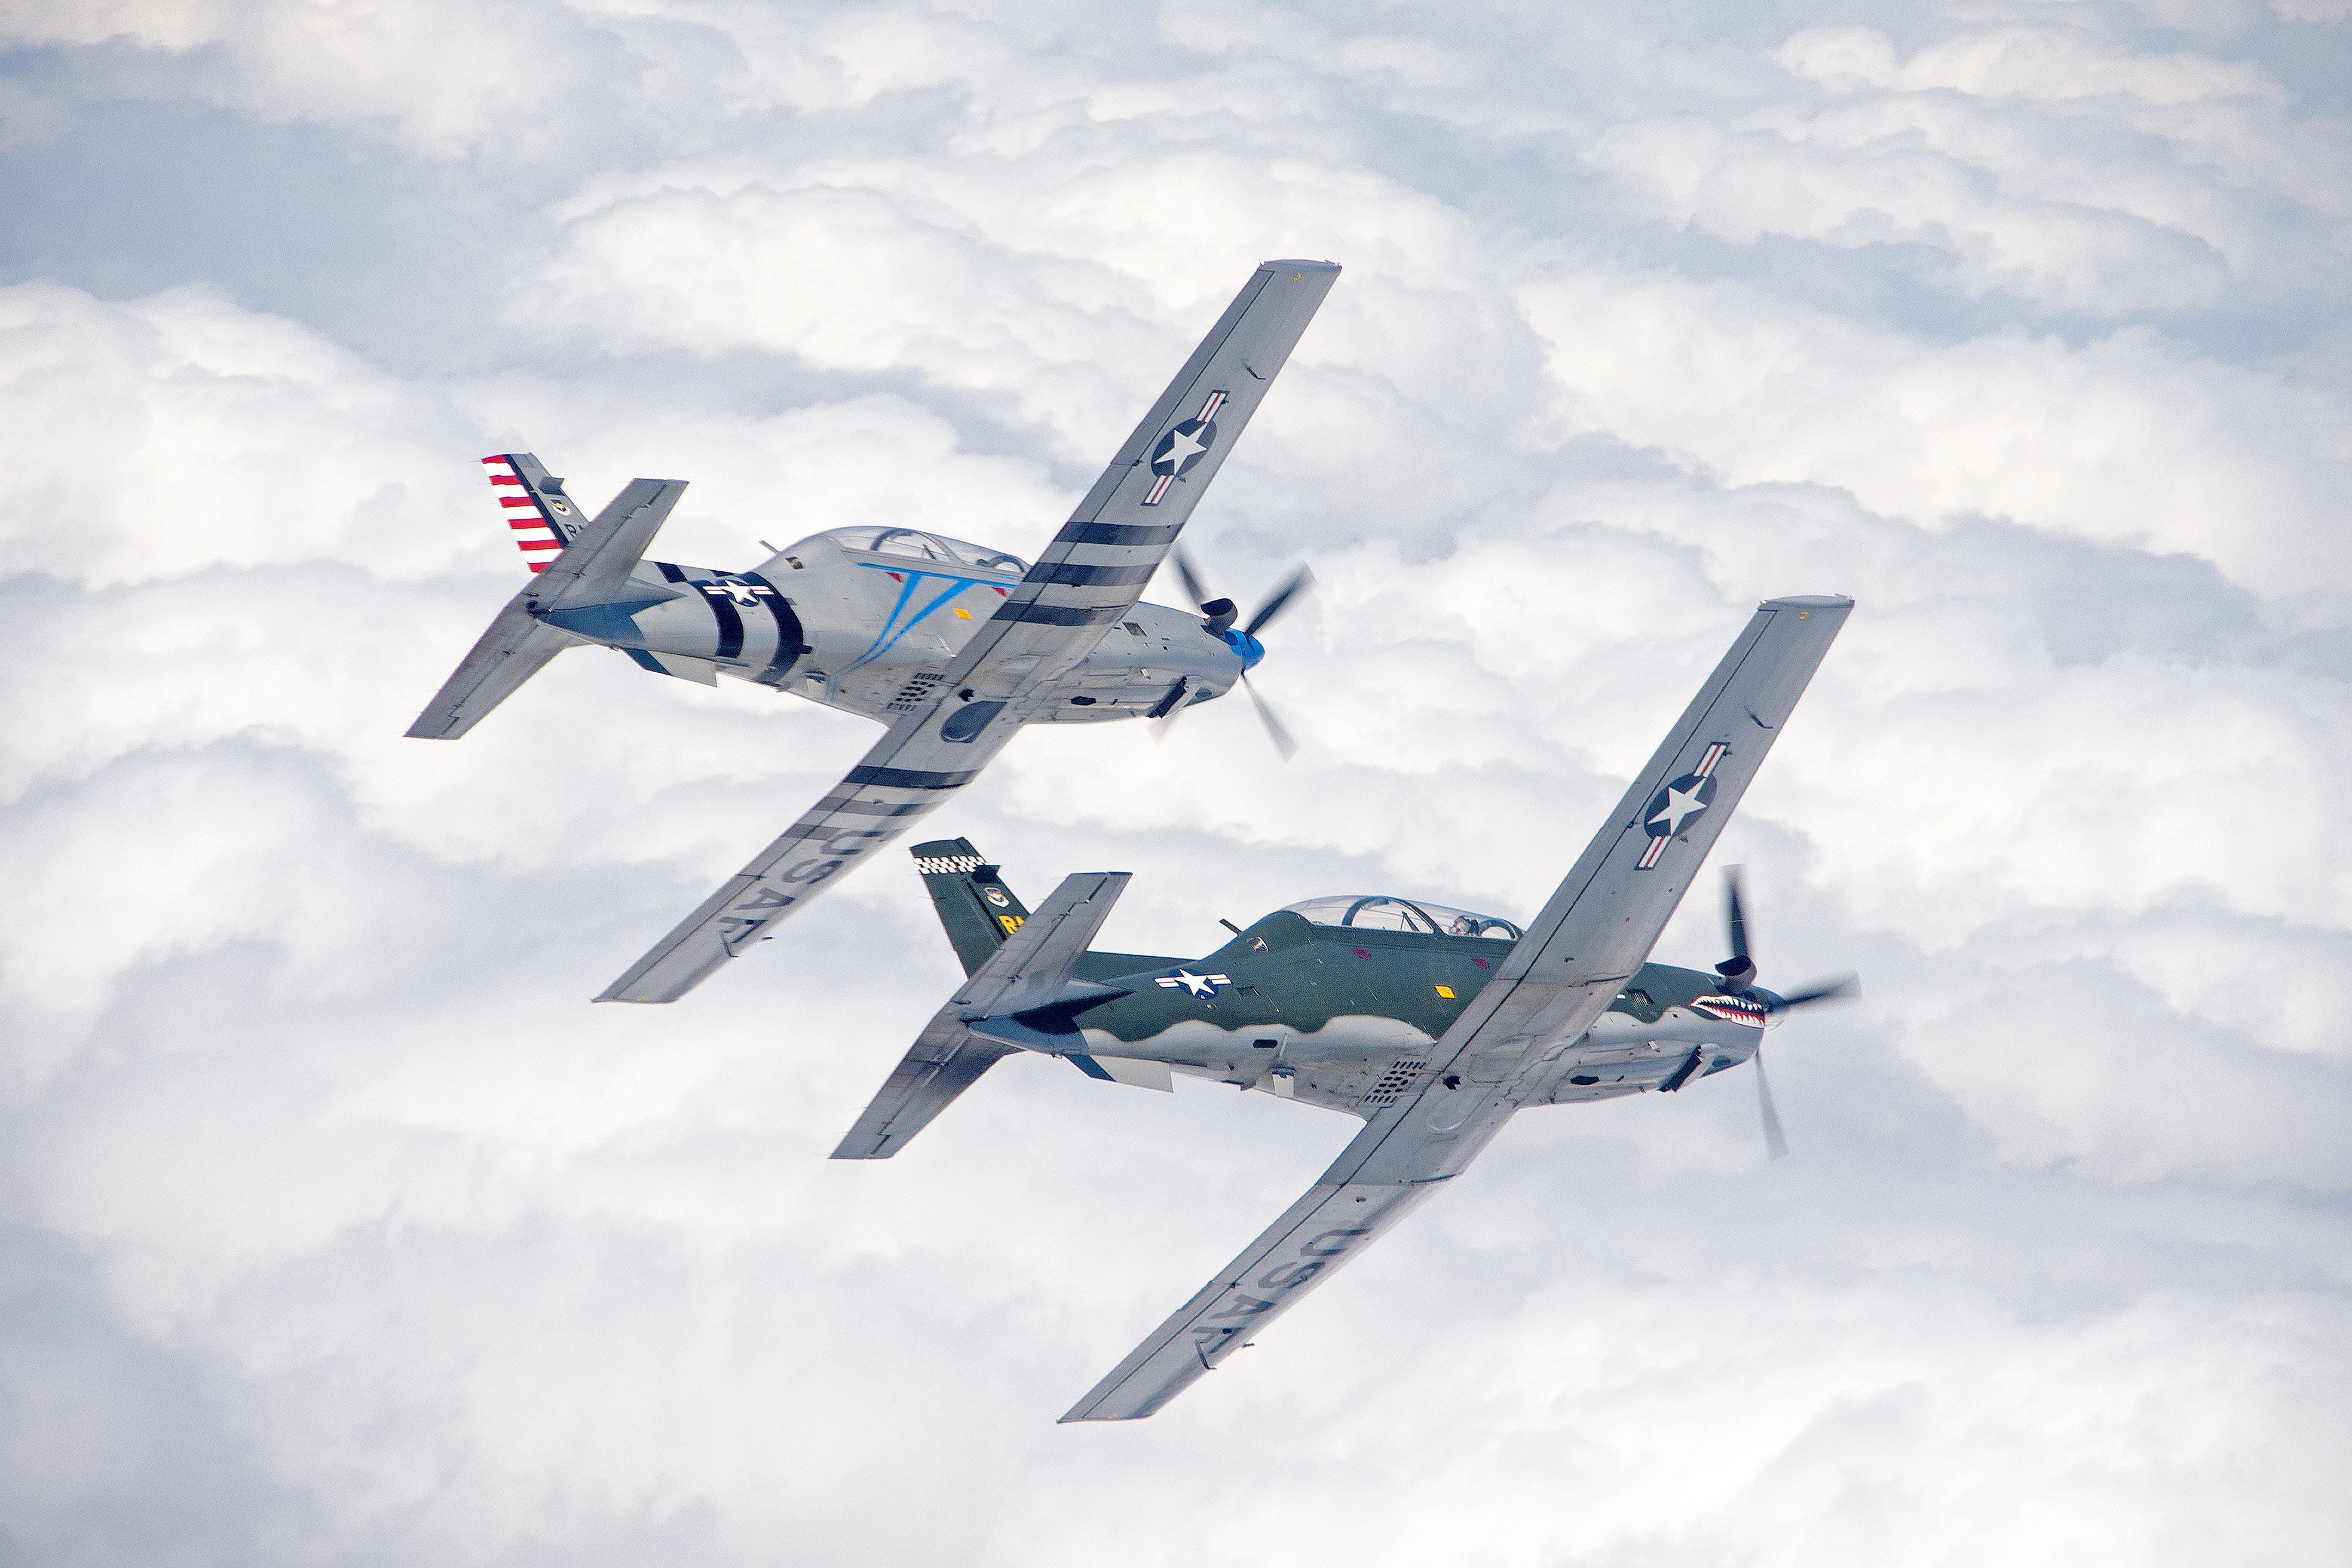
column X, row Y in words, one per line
column 892, row 630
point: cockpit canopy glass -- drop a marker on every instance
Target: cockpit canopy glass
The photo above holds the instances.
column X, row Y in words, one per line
column 923, row 546
column 1379, row 911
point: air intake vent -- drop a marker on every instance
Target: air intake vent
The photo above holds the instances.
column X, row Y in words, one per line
column 1394, row 1083
column 917, row 692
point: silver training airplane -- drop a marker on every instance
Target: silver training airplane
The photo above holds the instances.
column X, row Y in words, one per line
column 953, row 646
column 1436, row 1025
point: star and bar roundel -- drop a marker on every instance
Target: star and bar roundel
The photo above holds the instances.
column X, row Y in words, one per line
column 1182, row 446
column 1678, row 805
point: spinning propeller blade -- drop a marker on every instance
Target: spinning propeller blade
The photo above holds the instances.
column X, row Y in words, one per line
column 1738, row 973
column 1192, row 579
column 1220, row 616
column 1275, row 729
column 1297, row 584
column 1775, row 1146
column 1844, row 988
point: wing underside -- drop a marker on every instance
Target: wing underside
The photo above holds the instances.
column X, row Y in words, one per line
column 905, row 778
column 1330, row 1225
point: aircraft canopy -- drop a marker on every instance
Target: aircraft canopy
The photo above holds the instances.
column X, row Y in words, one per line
column 1382, row 911
column 926, row 546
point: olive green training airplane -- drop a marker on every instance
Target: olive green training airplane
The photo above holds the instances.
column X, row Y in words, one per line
column 1433, row 1024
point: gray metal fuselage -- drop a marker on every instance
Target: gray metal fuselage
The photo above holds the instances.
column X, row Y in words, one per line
column 1347, row 1019
column 873, row 632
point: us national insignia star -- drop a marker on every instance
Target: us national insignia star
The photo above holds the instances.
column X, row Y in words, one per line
column 1181, row 447
column 1681, row 803
column 1194, row 985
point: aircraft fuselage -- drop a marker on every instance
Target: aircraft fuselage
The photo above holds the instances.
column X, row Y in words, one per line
column 869, row 619
column 1346, row 1018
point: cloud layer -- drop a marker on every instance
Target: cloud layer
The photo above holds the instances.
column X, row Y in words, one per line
column 338, row 1227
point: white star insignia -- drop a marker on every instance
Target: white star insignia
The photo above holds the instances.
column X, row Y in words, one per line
column 1184, row 448
column 1194, row 985
column 1680, row 807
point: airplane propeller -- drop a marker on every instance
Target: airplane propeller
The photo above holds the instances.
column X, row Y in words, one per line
column 1220, row 614
column 1738, row 973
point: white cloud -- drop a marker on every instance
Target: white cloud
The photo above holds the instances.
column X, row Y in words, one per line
column 326, row 1188
column 2052, row 162
column 181, row 432
column 2128, row 439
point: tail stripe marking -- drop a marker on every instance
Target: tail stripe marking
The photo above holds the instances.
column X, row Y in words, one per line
column 946, row 865
column 535, row 533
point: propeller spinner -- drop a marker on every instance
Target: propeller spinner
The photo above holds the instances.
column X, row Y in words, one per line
column 1738, row 973
column 1219, row 615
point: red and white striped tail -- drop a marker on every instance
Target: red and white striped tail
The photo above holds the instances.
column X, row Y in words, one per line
column 535, row 530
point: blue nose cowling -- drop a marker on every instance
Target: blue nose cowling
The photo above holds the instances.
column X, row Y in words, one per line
column 1248, row 648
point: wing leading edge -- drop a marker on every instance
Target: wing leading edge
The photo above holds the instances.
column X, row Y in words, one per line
column 1507, row 1048
column 1083, row 583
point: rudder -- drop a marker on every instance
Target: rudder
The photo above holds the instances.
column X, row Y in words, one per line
column 542, row 518
column 973, row 903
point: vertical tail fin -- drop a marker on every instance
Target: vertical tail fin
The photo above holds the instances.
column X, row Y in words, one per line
column 974, row 905
column 542, row 518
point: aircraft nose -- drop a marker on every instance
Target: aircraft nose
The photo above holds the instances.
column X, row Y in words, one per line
column 1246, row 648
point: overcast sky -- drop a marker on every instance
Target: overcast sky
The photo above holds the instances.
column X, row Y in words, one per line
column 337, row 1226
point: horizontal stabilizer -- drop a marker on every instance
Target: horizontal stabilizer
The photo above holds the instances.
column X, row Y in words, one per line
column 513, row 650
column 947, row 1060
column 594, row 568
column 1033, row 967
column 1036, row 962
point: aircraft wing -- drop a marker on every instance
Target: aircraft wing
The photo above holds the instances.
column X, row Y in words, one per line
column 1091, row 576
column 1506, row 1048
column 908, row 774
column 1084, row 582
